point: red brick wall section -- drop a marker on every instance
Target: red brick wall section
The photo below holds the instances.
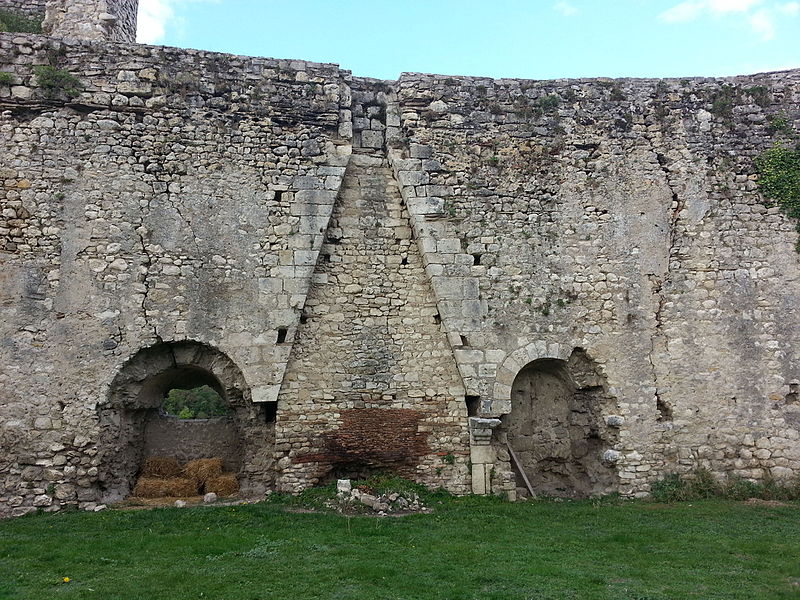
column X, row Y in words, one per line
column 375, row 438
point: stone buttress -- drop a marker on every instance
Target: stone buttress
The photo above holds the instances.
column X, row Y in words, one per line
column 371, row 384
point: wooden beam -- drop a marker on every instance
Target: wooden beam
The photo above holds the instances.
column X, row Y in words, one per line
column 518, row 464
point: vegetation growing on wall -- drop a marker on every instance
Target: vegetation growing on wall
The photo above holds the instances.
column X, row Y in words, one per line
column 55, row 82
column 778, row 168
column 548, row 103
column 723, row 101
column 779, row 177
column 13, row 22
column 198, row 403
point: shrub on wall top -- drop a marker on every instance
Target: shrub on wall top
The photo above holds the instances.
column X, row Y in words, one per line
column 13, row 22
column 198, row 403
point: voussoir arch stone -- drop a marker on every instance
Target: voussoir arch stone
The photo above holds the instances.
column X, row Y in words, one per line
column 515, row 362
column 126, row 387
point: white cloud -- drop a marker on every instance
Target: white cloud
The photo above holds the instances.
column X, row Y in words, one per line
column 155, row 16
column 790, row 9
column 152, row 20
column 761, row 22
column 566, row 9
column 726, row 6
column 685, row 11
column 760, row 15
column 691, row 9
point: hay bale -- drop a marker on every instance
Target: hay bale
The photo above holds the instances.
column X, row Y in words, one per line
column 155, row 466
column 222, row 485
column 160, row 487
column 203, row 469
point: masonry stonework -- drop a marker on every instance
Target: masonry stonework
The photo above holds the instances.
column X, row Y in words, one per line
column 113, row 20
column 431, row 276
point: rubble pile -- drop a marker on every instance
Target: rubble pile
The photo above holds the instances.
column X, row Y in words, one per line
column 356, row 499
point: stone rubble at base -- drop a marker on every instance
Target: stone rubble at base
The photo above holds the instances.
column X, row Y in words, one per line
column 350, row 499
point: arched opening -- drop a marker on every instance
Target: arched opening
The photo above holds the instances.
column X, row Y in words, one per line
column 215, row 418
column 192, row 419
column 556, row 428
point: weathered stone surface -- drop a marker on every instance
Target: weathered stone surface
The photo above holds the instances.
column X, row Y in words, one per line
column 624, row 220
column 370, row 377
column 113, row 20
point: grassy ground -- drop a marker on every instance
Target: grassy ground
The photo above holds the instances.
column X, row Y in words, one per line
column 470, row 548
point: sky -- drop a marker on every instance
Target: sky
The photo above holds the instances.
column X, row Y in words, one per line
column 529, row 39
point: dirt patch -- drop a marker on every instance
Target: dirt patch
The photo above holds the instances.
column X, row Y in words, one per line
column 760, row 502
column 368, row 514
column 150, row 503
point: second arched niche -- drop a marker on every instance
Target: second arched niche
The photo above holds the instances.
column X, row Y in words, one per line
column 556, row 428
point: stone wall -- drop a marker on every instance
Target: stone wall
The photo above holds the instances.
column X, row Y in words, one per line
column 371, row 383
column 33, row 9
column 189, row 439
column 176, row 196
column 621, row 217
column 406, row 248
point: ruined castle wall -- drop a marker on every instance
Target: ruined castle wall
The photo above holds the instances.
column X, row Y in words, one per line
column 166, row 195
column 170, row 195
column 622, row 217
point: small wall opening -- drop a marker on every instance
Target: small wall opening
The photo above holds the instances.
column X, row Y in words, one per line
column 473, row 405
column 193, row 421
column 269, row 410
column 556, row 428
column 282, row 333
column 353, row 471
column 664, row 410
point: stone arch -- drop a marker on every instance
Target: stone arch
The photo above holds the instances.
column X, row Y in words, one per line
column 130, row 419
column 558, row 428
column 513, row 364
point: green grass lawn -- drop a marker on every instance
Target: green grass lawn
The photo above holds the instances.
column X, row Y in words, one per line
column 469, row 548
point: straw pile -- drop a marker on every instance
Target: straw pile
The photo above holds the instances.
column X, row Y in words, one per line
column 167, row 478
column 154, row 487
column 161, row 467
column 223, row 485
column 203, row 469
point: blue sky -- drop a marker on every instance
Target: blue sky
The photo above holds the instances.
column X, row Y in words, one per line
column 532, row 39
